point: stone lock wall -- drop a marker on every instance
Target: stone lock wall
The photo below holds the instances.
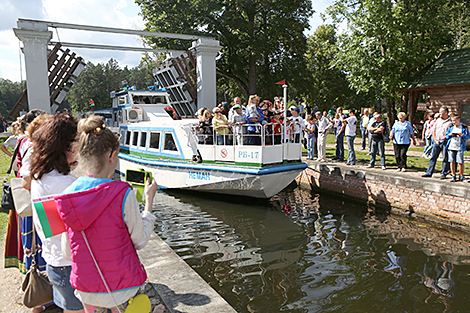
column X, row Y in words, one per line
column 440, row 201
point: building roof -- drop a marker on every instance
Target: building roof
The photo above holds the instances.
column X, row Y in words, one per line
column 451, row 68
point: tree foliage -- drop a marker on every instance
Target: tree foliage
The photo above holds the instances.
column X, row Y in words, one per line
column 262, row 40
column 97, row 81
column 388, row 41
column 10, row 92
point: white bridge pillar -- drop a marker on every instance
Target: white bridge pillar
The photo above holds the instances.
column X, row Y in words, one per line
column 206, row 51
column 35, row 38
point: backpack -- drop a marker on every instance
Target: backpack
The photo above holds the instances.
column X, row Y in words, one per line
column 386, row 133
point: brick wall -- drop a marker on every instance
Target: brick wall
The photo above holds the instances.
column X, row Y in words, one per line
column 432, row 199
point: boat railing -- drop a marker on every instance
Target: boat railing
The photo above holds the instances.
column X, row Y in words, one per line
column 246, row 134
column 261, row 144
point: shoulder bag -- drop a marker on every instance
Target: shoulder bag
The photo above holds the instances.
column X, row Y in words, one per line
column 138, row 304
column 36, row 286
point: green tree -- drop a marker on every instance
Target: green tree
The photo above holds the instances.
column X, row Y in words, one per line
column 262, row 40
column 96, row 82
column 329, row 85
column 388, row 41
column 10, row 92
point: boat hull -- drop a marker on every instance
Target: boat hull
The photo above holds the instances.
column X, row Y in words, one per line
column 215, row 178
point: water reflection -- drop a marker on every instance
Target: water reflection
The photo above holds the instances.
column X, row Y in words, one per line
column 303, row 252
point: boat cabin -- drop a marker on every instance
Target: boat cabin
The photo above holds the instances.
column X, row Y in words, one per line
column 150, row 129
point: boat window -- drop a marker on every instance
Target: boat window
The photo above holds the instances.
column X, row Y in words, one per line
column 128, row 137
column 135, row 138
column 154, row 140
column 120, row 117
column 170, row 142
column 123, row 135
column 122, row 100
column 143, row 139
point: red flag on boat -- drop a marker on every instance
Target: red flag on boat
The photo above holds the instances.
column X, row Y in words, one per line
column 282, row 82
column 49, row 217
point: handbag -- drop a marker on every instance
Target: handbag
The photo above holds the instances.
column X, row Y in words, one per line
column 36, row 286
column 7, row 196
column 138, row 304
column 21, row 198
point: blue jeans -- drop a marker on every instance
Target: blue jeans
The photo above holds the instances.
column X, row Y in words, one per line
column 352, row 153
column 63, row 291
column 436, row 150
column 364, row 137
column 311, row 147
column 340, row 146
column 377, row 147
column 428, row 147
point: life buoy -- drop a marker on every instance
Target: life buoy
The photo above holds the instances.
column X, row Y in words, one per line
column 168, row 109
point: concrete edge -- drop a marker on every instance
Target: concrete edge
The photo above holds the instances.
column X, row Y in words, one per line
column 425, row 184
column 178, row 285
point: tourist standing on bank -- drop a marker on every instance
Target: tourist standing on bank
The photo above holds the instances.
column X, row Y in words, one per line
column 54, row 154
column 401, row 133
column 350, row 132
column 363, row 125
column 310, row 130
column 298, row 124
column 369, row 135
column 104, row 224
column 323, row 125
column 427, row 136
column 457, row 136
column 377, row 140
column 339, row 126
column 440, row 128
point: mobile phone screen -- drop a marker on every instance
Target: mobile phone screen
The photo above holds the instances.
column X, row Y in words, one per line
column 137, row 177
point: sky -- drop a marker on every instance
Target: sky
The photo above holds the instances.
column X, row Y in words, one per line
column 109, row 13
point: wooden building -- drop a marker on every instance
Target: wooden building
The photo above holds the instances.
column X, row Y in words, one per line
column 445, row 82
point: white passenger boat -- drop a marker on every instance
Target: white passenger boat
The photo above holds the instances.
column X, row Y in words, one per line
column 154, row 141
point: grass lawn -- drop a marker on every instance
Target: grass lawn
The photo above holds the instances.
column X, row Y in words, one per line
column 4, row 164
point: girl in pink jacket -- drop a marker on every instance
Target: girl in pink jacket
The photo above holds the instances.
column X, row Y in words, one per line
column 102, row 215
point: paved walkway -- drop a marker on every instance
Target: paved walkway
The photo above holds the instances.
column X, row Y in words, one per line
column 390, row 154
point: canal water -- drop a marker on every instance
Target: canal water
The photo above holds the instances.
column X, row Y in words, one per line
column 309, row 252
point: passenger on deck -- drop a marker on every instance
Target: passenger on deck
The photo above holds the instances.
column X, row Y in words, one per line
column 220, row 124
column 254, row 137
column 237, row 119
column 205, row 128
column 236, row 101
column 276, row 127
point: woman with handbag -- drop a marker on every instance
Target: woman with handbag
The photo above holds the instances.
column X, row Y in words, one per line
column 102, row 219
column 53, row 156
column 18, row 237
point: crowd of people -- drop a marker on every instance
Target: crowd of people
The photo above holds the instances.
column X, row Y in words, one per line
column 101, row 216
column 246, row 123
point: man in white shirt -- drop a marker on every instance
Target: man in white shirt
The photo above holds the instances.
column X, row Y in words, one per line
column 323, row 125
column 350, row 133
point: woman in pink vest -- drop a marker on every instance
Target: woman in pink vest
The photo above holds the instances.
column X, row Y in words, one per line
column 102, row 215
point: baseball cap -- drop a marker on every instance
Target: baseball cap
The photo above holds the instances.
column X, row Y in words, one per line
column 294, row 108
column 237, row 106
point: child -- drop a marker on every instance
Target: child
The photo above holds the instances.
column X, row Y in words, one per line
column 310, row 136
column 102, row 216
column 456, row 136
column 252, row 107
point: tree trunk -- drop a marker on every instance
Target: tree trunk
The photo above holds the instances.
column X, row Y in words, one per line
column 252, row 75
column 404, row 102
column 391, row 112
